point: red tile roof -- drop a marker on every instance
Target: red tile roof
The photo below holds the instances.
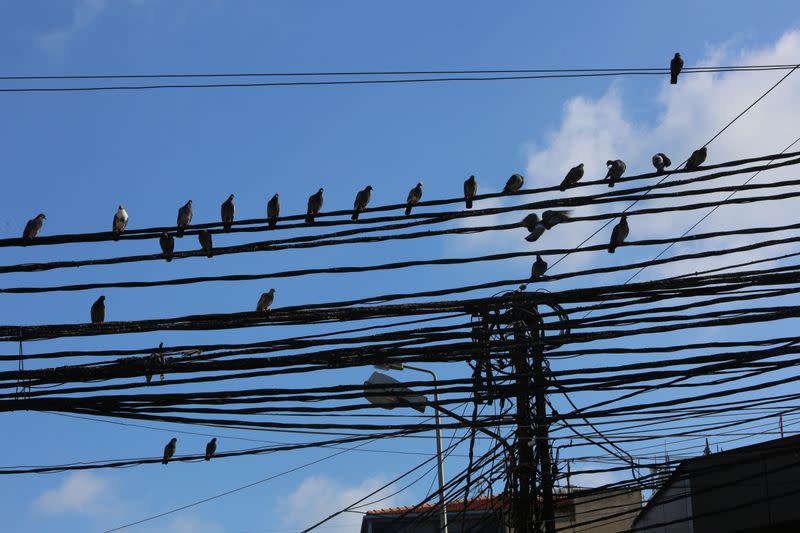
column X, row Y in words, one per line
column 478, row 504
column 482, row 503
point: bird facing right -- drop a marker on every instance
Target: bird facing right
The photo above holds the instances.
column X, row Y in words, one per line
column 697, row 158
column 573, row 176
column 33, row 227
column 414, row 196
column 265, row 301
column 675, row 67
column 211, row 448
column 273, row 210
column 314, row 205
column 98, row 311
column 618, row 234
column 227, row 212
column 169, row 450
column 362, row 200
column 539, row 267
column 184, row 218
column 470, row 190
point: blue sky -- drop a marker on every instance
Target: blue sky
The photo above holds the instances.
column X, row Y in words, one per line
column 76, row 157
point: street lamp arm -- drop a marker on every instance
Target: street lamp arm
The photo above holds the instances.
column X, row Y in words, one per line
column 482, row 429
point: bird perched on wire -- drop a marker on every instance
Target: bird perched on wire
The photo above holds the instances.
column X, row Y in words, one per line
column 697, row 158
column 184, row 218
column 539, row 267
column 362, row 200
column 167, row 243
column 534, row 226
column 514, row 183
column 414, row 196
column 265, row 301
column 661, row 161
column 470, row 190
column 211, row 448
column 314, row 205
column 98, row 311
column 205, row 242
column 552, row 217
column 616, row 168
column 154, row 361
column 675, row 67
column 573, row 176
column 120, row 222
column 227, row 212
column 618, row 234
column 33, row 227
column 169, row 450
column 273, row 210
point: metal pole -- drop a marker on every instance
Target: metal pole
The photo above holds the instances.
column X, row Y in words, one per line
column 524, row 503
column 543, row 443
column 442, row 504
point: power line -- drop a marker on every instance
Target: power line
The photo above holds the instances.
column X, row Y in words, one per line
column 382, row 72
column 325, row 83
column 714, row 137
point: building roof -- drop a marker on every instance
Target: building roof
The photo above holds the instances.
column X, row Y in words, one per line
column 687, row 466
column 481, row 503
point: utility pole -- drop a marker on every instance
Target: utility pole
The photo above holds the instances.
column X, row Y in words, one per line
column 542, row 438
column 526, row 470
column 530, row 488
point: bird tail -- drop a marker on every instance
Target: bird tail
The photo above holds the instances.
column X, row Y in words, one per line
column 179, row 233
column 310, row 218
column 532, row 237
column 611, row 182
column 408, row 210
column 116, row 235
column 469, row 204
column 355, row 215
column 208, row 458
column 673, row 80
column 169, row 258
column 227, row 226
column 164, row 461
column 273, row 222
column 562, row 188
column 210, row 254
column 611, row 249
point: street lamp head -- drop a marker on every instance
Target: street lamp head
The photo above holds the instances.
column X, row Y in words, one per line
column 392, row 394
column 390, row 365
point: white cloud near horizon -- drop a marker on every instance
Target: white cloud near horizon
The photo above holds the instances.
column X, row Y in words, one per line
column 317, row 497
column 684, row 117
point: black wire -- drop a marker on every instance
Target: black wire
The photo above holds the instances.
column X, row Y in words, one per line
column 364, row 82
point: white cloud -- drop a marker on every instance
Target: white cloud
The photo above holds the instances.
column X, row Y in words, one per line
column 80, row 492
column 686, row 116
column 318, row 497
column 594, row 479
column 84, row 12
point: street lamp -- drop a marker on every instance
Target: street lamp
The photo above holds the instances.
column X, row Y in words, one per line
column 392, row 395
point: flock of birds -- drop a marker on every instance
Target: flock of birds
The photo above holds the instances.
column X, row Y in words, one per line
column 535, row 225
column 169, row 449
